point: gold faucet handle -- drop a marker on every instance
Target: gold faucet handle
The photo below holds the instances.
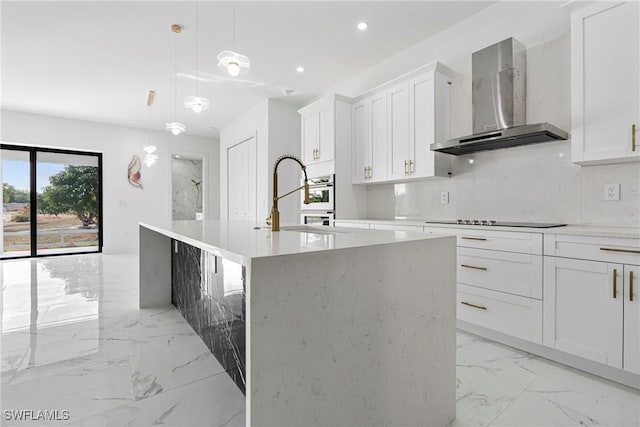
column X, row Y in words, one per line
column 306, row 193
column 268, row 220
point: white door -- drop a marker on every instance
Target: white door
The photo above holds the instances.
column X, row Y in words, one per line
column 583, row 308
column 378, row 138
column 631, row 357
column 241, row 180
column 360, row 142
column 605, row 79
column 399, row 167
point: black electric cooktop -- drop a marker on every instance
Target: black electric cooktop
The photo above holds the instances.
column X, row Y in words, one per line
column 496, row 223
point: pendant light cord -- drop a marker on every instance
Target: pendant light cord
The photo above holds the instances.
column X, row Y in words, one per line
column 197, row 77
column 175, row 76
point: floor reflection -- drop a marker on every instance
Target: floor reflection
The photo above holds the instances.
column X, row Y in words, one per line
column 74, row 339
column 41, row 295
column 44, row 293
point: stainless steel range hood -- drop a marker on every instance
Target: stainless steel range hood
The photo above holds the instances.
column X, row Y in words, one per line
column 499, row 104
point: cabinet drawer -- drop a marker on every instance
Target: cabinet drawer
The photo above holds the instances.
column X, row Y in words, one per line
column 527, row 243
column 351, row 224
column 514, row 273
column 606, row 249
column 513, row 315
column 394, row 227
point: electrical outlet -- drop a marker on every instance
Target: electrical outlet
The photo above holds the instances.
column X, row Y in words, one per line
column 612, row 192
column 444, row 197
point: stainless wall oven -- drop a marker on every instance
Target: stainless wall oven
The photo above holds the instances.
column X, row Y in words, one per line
column 322, row 207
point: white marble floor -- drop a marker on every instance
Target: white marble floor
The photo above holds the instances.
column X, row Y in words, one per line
column 73, row 340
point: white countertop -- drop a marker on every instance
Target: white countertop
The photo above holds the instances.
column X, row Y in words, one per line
column 572, row 229
column 239, row 241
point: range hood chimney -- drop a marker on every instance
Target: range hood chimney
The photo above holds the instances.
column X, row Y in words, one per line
column 499, row 103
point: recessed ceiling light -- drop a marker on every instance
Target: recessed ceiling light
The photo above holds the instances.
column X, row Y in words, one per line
column 362, row 26
column 176, row 156
column 300, row 69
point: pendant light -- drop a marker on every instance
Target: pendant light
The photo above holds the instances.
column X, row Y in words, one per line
column 150, row 157
column 196, row 103
column 232, row 62
column 175, row 127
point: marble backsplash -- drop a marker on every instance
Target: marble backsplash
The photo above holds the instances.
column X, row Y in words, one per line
column 186, row 188
column 529, row 183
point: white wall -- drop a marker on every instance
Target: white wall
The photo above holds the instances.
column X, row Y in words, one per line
column 124, row 205
column 275, row 126
column 534, row 183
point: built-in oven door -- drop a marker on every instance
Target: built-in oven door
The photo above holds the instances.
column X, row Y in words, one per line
column 317, row 218
column 321, row 196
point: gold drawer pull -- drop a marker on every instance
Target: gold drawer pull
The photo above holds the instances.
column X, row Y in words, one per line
column 481, row 307
column 473, row 266
column 473, row 238
column 631, row 286
column 615, row 283
column 633, row 137
column 628, row 251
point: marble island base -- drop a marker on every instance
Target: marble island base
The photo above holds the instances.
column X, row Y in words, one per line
column 349, row 335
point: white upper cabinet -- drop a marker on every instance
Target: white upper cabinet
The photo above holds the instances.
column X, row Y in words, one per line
column 359, row 140
column 394, row 124
column 605, row 83
column 429, row 123
column 318, row 131
column 398, row 132
column 369, row 139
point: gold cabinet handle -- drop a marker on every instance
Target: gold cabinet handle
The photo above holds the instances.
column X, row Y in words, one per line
column 481, row 307
column 406, row 171
column 633, row 137
column 631, row 286
column 411, row 166
column 628, row 251
column 473, row 238
column 370, row 173
column 473, row 266
column 365, row 172
column 615, row 283
column 317, row 154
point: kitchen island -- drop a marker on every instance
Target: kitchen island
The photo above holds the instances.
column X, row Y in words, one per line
column 319, row 326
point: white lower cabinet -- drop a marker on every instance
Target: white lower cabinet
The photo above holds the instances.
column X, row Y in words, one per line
column 592, row 306
column 583, row 305
column 513, row 315
column 631, row 353
column 576, row 294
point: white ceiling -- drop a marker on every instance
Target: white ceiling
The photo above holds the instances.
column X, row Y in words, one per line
column 97, row 60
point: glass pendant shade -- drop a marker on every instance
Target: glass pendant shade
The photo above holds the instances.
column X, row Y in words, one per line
column 196, row 103
column 175, row 128
column 233, row 63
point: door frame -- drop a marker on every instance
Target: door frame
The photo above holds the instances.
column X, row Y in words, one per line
column 33, row 195
column 193, row 155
